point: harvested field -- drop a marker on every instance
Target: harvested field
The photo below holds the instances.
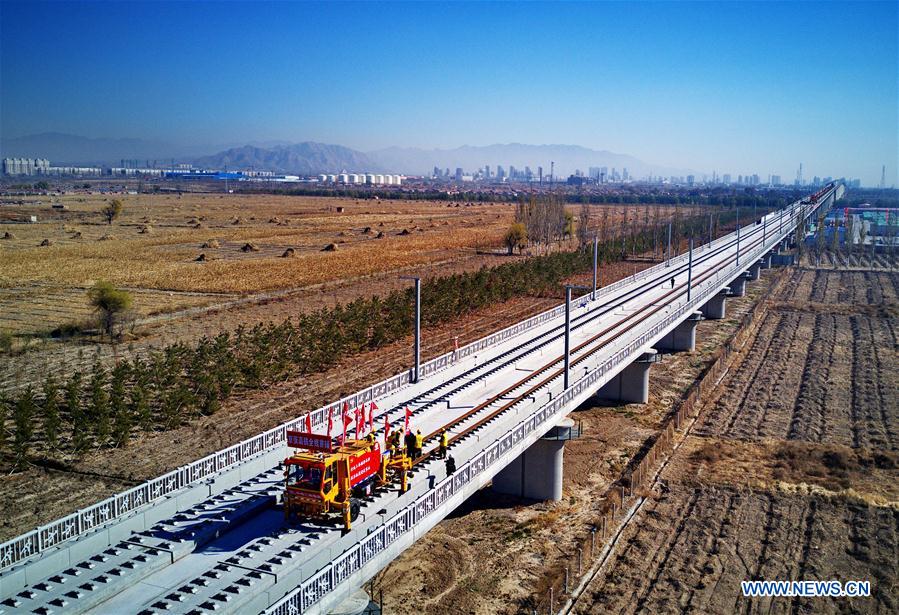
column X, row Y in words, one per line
column 41, row 309
column 694, row 544
column 825, row 372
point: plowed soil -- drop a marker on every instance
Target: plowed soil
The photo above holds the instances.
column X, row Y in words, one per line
column 823, row 367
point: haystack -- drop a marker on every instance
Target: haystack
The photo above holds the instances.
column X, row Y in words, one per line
column 211, row 244
column 289, row 253
column 46, row 242
column 331, row 247
column 201, row 259
column 106, row 237
column 405, row 231
column 380, row 235
column 8, row 235
column 249, row 247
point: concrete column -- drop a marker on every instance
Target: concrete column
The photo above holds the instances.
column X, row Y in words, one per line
column 536, row 474
column 755, row 271
column 683, row 337
column 714, row 307
column 766, row 261
column 783, row 260
column 631, row 385
column 738, row 286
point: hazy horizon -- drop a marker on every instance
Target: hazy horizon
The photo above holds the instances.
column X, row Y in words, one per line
column 731, row 87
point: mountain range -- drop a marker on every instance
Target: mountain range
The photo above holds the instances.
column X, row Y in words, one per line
column 309, row 157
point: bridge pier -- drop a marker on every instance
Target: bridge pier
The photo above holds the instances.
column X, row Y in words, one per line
column 631, row 385
column 755, row 271
column 714, row 308
column 536, row 474
column 783, row 260
column 766, row 261
column 738, row 286
column 683, row 337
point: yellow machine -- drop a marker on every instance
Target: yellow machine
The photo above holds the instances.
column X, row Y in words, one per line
column 321, row 480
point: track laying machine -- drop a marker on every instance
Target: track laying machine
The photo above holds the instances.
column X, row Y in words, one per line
column 321, row 479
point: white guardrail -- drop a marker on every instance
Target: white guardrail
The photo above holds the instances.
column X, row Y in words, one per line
column 145, row 495
column 311, row 591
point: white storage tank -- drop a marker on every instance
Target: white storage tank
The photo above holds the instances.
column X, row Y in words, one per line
column 379, row 179
column 322, row 178
column 344, row 178
column 388, row 179
column 369, row 178
column 397, row 180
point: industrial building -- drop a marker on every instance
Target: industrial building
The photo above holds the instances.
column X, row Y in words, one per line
column 358, row 179
column 25, row 166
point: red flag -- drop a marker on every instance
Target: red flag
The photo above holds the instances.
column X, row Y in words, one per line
column 358, row 425
column 346, row 420
column 330, row 421
column 408, row 416
column 309, row 423
column 371, row 417
column 386, row 429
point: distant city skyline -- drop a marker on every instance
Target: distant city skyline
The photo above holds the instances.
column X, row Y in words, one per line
column 711, row 87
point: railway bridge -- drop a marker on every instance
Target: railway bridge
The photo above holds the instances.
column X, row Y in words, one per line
column 208, row 537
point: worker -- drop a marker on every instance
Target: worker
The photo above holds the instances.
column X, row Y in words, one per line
column 450, row 465
column 419, row 442
column 388, row 442
column 396, row 440
column 444, row 440
column 410, row 444
column 370, row 438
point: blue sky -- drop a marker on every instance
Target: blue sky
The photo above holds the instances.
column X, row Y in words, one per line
column 736, row 87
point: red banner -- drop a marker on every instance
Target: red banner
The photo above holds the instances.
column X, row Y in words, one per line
column 364, row 466
column 310, row 441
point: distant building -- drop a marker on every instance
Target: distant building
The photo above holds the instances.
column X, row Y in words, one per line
column 26, row 166
column 458, row 174
column 775, row 180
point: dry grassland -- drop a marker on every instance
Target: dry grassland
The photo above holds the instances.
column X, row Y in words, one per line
column 156, row 242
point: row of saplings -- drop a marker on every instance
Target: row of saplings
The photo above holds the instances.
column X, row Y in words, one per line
column 102, row 407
